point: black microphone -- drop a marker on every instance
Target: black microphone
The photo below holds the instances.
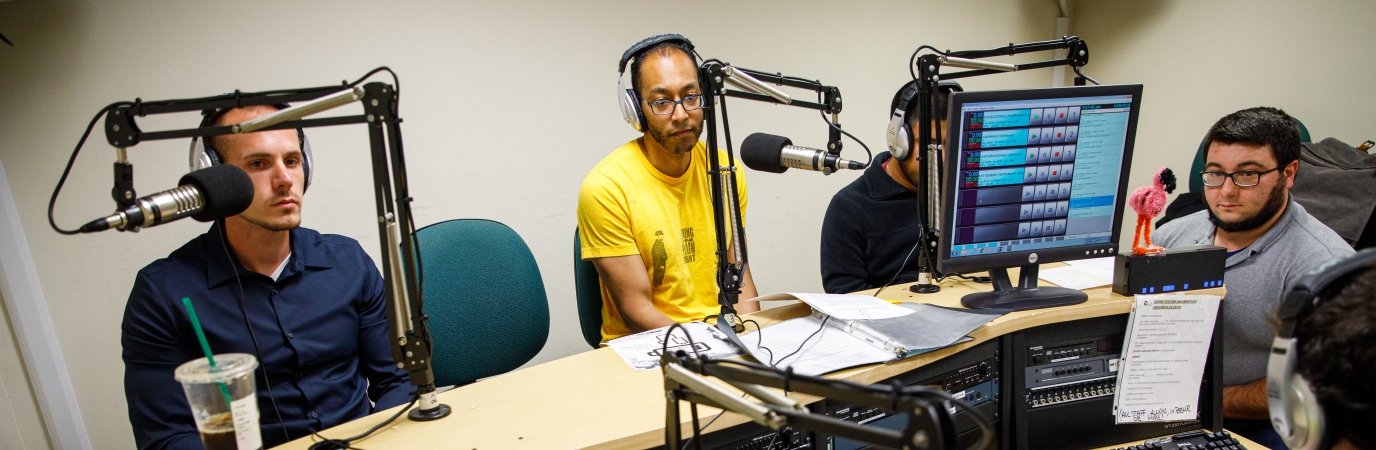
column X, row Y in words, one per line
column 775, row 154
column 208, row 194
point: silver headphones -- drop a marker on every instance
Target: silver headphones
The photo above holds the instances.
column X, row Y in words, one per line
column 900, row 133
column 630, row 101
column 203, row 156
column 1295, row 412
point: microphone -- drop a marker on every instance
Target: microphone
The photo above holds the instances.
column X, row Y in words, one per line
column 775, row 154
column 215, row 192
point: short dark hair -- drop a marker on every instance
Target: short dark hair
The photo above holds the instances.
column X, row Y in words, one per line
column 1260, row 126
column 662, row 49
column 943, row 100
column 1337, row 356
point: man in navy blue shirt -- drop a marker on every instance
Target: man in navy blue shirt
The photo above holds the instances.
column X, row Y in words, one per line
column 314, row 302
column 871, row 227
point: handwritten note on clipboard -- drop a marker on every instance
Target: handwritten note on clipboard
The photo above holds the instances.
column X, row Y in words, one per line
column 1162, row 365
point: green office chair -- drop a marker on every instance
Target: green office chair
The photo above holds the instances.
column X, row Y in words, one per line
column 589, row 290
column 485, row 298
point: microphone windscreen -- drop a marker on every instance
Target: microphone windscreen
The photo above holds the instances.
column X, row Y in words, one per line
column 762, row 152
column 226, row 189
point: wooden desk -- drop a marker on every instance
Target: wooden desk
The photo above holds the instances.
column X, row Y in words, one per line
column 594, row 400
column 1246, row 443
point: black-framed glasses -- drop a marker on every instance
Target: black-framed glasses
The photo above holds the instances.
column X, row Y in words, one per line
column 664, row 106
column 1241, row 178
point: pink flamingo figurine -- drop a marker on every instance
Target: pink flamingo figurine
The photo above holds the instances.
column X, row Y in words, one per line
column 1148, row 201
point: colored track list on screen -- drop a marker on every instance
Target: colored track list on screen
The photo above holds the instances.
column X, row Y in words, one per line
column 1038, row 174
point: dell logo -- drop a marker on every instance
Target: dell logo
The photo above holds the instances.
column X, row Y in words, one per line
column 1032, row 258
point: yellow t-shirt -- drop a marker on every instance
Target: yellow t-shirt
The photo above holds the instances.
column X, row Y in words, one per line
column 627, row 207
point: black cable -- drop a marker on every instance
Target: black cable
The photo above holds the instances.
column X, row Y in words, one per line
column 70, row 161
column 759, row 333
column 262, row 364
column 343, row 444
column 912, row 61
column 1077, row 72
column 900, row 268
column 869, row 158
column 804, row 344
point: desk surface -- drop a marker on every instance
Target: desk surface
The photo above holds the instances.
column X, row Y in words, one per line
column 594, row 399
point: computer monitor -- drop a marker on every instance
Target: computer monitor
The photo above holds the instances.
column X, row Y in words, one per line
column 1034, row 176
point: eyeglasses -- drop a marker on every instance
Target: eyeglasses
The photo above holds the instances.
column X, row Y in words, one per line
column 664, row 107
column 1242, row 178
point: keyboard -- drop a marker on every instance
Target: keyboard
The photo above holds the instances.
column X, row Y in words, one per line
column 1193, row 440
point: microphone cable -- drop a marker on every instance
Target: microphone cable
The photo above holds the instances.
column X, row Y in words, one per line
column 52, row 202
column 344, row 444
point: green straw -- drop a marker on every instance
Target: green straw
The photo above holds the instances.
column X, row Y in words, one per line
column 205, row 346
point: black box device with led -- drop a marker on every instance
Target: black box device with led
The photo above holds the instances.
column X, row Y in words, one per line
column 1178, row 269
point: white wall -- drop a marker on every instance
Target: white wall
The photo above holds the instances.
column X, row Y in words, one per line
column 1200, row 61
column 508, row 104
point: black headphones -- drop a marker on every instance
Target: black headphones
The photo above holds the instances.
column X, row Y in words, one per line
column 203, row 155
column 900, row 134
column 630, row 101
column 1296, row 414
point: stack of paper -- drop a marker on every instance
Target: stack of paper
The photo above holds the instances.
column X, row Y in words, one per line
column 1081, row 274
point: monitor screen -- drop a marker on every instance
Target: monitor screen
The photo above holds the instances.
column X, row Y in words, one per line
column 1035, row 176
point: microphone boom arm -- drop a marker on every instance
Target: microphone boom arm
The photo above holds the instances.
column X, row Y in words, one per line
column 929, row 425
column 408, row 334
column 714, row 76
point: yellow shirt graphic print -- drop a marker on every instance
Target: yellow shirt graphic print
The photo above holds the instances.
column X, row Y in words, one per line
column 627, row 207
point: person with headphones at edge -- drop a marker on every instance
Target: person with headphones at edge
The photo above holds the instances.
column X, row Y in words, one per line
column 309, row 306
column 645, row 211
column 1319, row 380
column 870, row 231
column 1250, row 164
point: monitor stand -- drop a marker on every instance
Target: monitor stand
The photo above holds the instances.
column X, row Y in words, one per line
column 1025, row 296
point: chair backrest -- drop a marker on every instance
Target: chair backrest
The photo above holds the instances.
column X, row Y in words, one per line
column 485, row 299
column 1197, row 184
column 589, row 290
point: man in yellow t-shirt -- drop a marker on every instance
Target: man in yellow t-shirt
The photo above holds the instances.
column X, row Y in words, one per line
column 645, row 211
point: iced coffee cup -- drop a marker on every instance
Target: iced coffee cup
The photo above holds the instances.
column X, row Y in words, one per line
column 223, row 401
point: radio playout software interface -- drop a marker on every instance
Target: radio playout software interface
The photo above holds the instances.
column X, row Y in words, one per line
column 1038, row 173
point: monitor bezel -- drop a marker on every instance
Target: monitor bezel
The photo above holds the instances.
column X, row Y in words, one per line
column 951, row 154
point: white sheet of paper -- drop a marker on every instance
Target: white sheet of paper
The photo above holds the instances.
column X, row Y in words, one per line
column 1163, row 358
column 642, row 350
column 852, row 307
column 829, row 350
column 1078, row 277
column 1106, row 261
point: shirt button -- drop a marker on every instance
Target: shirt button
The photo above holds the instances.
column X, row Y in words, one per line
column 314, row 415
column 274, row 292
column 291, row 336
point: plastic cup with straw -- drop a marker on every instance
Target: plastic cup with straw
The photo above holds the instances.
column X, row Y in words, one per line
column 233, row 424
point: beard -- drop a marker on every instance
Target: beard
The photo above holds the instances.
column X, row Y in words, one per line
column 678, row 148
column 1273, row 205
column 285, row 224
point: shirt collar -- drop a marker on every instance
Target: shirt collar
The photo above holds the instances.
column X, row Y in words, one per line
column 1278, row 229
column 304, row 253
column 880, row 184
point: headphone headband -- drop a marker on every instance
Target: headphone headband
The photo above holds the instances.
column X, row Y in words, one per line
column 649, row 42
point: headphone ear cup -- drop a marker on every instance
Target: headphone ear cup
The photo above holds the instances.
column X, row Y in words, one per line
column 1307, row 416
column 202, row 156
column 900, row 137
column 306, row 158
column 630, row 108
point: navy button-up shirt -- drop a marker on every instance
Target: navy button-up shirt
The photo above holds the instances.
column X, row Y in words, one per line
column 870, row 226
column 321, row 328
